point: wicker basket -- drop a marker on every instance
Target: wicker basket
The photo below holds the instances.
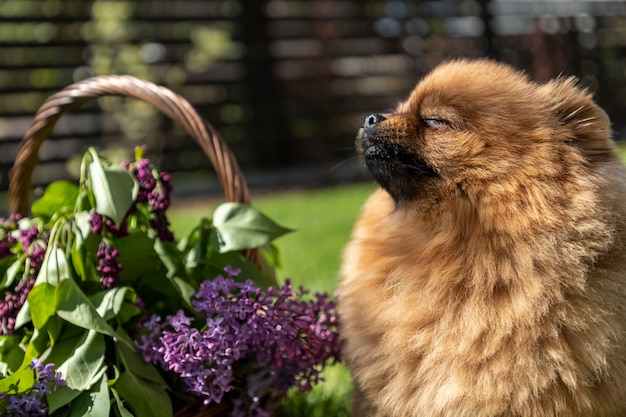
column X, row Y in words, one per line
column 174, row 106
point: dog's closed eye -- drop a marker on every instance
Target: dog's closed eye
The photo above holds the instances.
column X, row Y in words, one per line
column 436, row 122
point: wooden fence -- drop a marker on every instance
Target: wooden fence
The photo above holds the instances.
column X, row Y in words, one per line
column 287, row 82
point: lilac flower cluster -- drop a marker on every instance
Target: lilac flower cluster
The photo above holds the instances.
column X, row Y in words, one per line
column 154, row 189
column 11, row 304
column 34, row 248
column 30, row 243
column 252, row 344
column 108, row 266
column 31, row 403
column 101, row 225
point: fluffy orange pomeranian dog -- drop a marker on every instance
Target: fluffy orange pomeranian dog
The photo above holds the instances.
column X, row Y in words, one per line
column 487, row 276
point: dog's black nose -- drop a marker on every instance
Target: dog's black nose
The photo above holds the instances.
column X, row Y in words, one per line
column 373, row 119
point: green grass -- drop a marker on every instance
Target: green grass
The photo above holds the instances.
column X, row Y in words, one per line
column 311, row 257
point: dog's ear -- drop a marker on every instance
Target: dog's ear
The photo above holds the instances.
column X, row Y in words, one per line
column 583, row 122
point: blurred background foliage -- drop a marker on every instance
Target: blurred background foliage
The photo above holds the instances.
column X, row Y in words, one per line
column 286, row 82
column 116, row 47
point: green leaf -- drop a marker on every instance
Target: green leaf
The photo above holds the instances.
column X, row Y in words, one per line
column 65, row 395
column 59, row 196
column 109, row 303
column 54, row 328
column 240, row 226
column 80, row 359
column 11, row 354
column 37, row 344
column 185, row 290
column 41, row 300
column 141, row 385
column 115, row 370
column 272, row 255
column 61, row 397
column 82, row 231
column 137, row 255
column 94, row 403
column 193, row 257
column 170, row 257
column 23, row 316
column 128, row 312
column 74, row 307
column 84, row 243
column 196, row 249
column 54, row 268
column 146, row 398
column 114, row 189
column 85, row 357
column 199, row 237
column 10, row 268
column 83, row 265
column 20, row 381
column 120, row 405
column 82, row 225
column 133, row 362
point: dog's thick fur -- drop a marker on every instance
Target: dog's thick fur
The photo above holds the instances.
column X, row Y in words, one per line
column 487, row 277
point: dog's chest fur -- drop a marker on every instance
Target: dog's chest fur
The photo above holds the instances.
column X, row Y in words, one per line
column 448, row 313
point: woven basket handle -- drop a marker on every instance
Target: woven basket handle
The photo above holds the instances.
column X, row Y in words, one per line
column 166, row 101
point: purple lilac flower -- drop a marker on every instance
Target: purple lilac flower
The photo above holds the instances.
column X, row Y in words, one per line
column 11, row 222
column 107, row 255
column 159, row 197
column 32, row 243
column 47, row 374
column 31, row 403
column 101, row 224
column 108, row 266
column 11, row 304
column 156, row 191
column 273, row 339
column 5, row 249
column 145, row 177
column 97, row 223
column 161, row 224
column 34, row 248
column 28, row 236
column 160, row 200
